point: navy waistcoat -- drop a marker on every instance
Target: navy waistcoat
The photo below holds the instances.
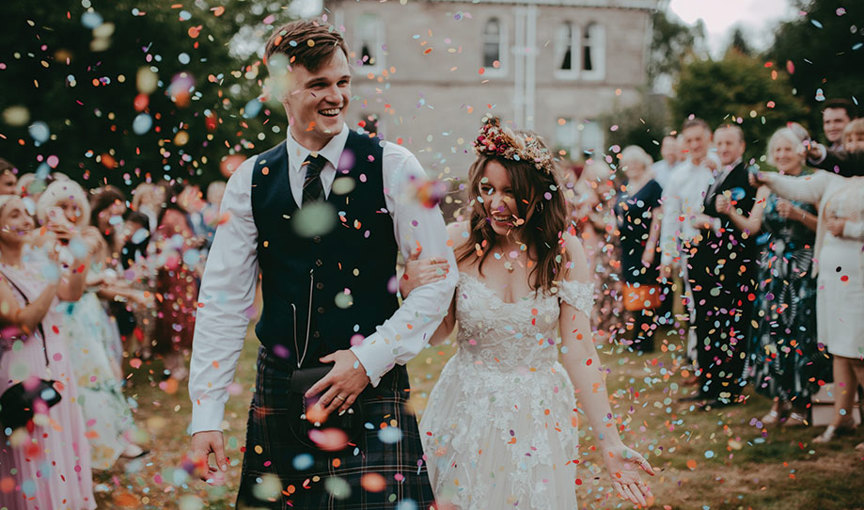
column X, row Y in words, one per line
column 335, row 285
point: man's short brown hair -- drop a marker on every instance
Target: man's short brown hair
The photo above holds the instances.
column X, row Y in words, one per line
column 696, row 122
column 307, row 43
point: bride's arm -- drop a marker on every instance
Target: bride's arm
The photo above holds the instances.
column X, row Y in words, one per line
column 580, row 359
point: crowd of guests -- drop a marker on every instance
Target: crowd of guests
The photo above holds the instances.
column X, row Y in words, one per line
column 768, row 259
column 88, row 278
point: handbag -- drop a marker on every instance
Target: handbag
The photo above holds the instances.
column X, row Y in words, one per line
column 642, row 297
column 19, row 400
column 350, row 422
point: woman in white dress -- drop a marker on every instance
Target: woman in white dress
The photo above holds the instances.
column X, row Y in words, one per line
column 500, row 428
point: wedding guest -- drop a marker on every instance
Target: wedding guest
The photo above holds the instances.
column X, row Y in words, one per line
column 634, row 210
column 786, row 360
column 836, row 114
column 48, row 461
column 670, row 152
column 839, row 266
column 848, row 161
column 683, row 200
column 94, row 343
column 8, row 178
column 722, row 273
column 176, row 282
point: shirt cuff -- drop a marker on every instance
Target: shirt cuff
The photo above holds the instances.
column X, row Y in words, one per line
column 206, row 415
column 376, row 356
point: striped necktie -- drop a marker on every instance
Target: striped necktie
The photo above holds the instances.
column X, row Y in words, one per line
column 313, row 190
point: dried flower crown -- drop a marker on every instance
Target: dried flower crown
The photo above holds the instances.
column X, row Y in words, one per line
column 495, row 140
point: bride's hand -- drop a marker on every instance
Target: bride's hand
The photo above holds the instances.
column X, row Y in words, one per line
column 623, row 465
column 420, row 272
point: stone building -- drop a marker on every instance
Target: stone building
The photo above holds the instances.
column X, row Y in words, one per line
column 426, row 71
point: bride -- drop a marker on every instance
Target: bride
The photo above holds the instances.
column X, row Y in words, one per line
column 500, row 428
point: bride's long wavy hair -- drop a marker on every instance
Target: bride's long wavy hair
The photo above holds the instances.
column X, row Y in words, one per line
column 539, row 201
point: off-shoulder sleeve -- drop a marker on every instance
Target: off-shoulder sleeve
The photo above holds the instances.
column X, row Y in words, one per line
column 577, row 294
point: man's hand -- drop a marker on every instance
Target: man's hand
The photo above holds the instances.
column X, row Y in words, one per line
column 344, row 383
column 723, row 204
column 203, row 444
column 814, row 150
column 835, row 225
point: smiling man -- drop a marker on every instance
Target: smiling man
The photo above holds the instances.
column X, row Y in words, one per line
column 322, row 216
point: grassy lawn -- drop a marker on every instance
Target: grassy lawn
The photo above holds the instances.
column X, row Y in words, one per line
column 721, row 459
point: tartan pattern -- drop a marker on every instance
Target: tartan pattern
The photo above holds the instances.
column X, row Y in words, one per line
column 313, row 189
column 401, row 464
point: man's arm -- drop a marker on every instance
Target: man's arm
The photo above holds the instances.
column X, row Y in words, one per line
column 225, row 299
column 846, row 164
column 408, row 331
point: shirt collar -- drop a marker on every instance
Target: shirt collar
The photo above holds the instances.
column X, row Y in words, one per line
column 332, row 152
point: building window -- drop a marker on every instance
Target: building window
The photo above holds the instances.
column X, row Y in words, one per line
column 493, row 41
column 370, row 42
column 567, row 137
column 567, row 51
column 593, row 52
column 592, row 137
column 565, row 45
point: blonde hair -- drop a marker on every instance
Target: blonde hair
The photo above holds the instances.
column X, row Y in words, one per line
column 635, row 154
column 856, row 127
column 783, row 134
column 61, row 190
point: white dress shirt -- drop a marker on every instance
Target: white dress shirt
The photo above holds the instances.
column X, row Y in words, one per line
column 683, row 199
column 228, row 286
column 663, row 172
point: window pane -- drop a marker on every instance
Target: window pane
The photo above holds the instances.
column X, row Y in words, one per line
column 491, row 43
column 587, row 49
column 565, row 45
column 367, row 32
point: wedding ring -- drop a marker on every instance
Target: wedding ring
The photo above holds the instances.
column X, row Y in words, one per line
column 340, row 397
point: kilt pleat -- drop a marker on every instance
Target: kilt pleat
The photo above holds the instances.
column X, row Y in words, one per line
column 385, row 469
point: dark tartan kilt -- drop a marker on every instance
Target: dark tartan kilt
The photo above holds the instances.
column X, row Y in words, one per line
column 271, row 416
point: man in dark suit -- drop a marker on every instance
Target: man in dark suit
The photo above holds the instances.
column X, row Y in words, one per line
column 723, row 275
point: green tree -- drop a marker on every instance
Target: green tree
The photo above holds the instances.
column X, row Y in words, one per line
column 644, row 124
column 738, row 89
column 119, row 91
column 673, row 44
column 823, row 49
column 739, row 43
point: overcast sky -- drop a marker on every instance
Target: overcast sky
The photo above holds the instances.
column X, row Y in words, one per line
column 757, row 18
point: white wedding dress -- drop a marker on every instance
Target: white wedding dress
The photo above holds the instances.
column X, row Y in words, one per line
column 500, row 428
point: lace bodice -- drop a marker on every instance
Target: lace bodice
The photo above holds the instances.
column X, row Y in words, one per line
column 521, row 335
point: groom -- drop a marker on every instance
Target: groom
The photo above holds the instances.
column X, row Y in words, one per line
column 322, row 216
